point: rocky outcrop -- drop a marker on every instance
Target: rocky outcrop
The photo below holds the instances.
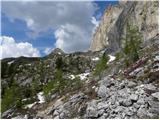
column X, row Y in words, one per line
column 143, row 14
column 100, row 37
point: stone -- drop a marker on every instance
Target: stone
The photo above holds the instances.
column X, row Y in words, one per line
column 142, row 113
column 113, row 99
column 136, row 105
column 127, row 102
column 56, row 113
column 105, row 115
column 155, row 95
column 134, row 97
column 137, row 72
column 122, row 85
column 131, row 84
column 141, row 101
column 119, row 109
column 6, row 113
column 107, row 81
column 92, row 111
column 122, row 92
column 102, row 105
column 54, row 96
column 102, row 91
column 154, row 105
column 150, row 87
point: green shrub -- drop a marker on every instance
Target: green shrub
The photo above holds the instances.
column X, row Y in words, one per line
column 55, row 85
column 76, row 84
column 59, row 63
column 10, row 97
column 119, row 55
column 35, row 87
column 101, row 65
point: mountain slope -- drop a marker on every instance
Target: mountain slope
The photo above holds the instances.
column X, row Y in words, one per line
column 107, row 84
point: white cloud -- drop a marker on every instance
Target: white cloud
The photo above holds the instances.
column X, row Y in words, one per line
column 72, row 21
column 72, row 38
column 9, row 48
column 94, row 21
column 47, row 50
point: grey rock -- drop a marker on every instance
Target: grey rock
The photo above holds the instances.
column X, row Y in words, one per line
column 136, row 105
column 92, row 111
column 154, row 105
column 7, row 113
column 131, row 84
column 127, row 102
column 122, row 92
column 134, row 97
column 113, row 99
column 155, row 95
column 102, row 91
column 54, row 96
column 107, row 81
column 102, row 105
column 104, row 116
column 122, row 85
column 119, row 109
column 150, row 87
column 137, row 72
column 142, row 113
column 141, row 101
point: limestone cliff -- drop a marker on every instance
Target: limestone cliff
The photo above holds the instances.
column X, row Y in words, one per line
column 143, row 14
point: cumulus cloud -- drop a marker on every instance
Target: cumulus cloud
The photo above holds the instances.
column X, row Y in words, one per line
column 71, row 21
column 47, row 50
column 9, row 48
column 72, row 38
column 94, row 21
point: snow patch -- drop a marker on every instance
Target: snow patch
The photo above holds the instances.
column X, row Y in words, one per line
column 111, row 58
column 59, row 53
column 30, row 105
column 95, row 59
column 83, row 75
column 72, row 77
column 41, row 97
column 10, row 62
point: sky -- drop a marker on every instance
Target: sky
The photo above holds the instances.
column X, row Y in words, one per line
column 35, row 28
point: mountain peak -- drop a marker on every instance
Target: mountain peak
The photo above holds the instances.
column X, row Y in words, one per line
column 57, row 51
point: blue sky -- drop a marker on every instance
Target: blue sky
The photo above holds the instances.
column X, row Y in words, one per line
column 47, row 32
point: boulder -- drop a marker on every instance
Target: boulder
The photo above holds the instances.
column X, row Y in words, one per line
column 134, row 97
column 92, row 111
column 155, row 95
column 102, row 91
column 131, row 84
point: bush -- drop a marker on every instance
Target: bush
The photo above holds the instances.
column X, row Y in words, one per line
column 59, row 63
column 10, row 97
column 101, row 65
column 55, row 85
column 119, row 55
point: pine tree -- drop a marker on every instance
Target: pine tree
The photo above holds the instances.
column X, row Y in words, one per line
column 132, row 43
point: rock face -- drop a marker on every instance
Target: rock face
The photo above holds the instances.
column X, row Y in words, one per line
column 143, row 14
column 100, row 38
